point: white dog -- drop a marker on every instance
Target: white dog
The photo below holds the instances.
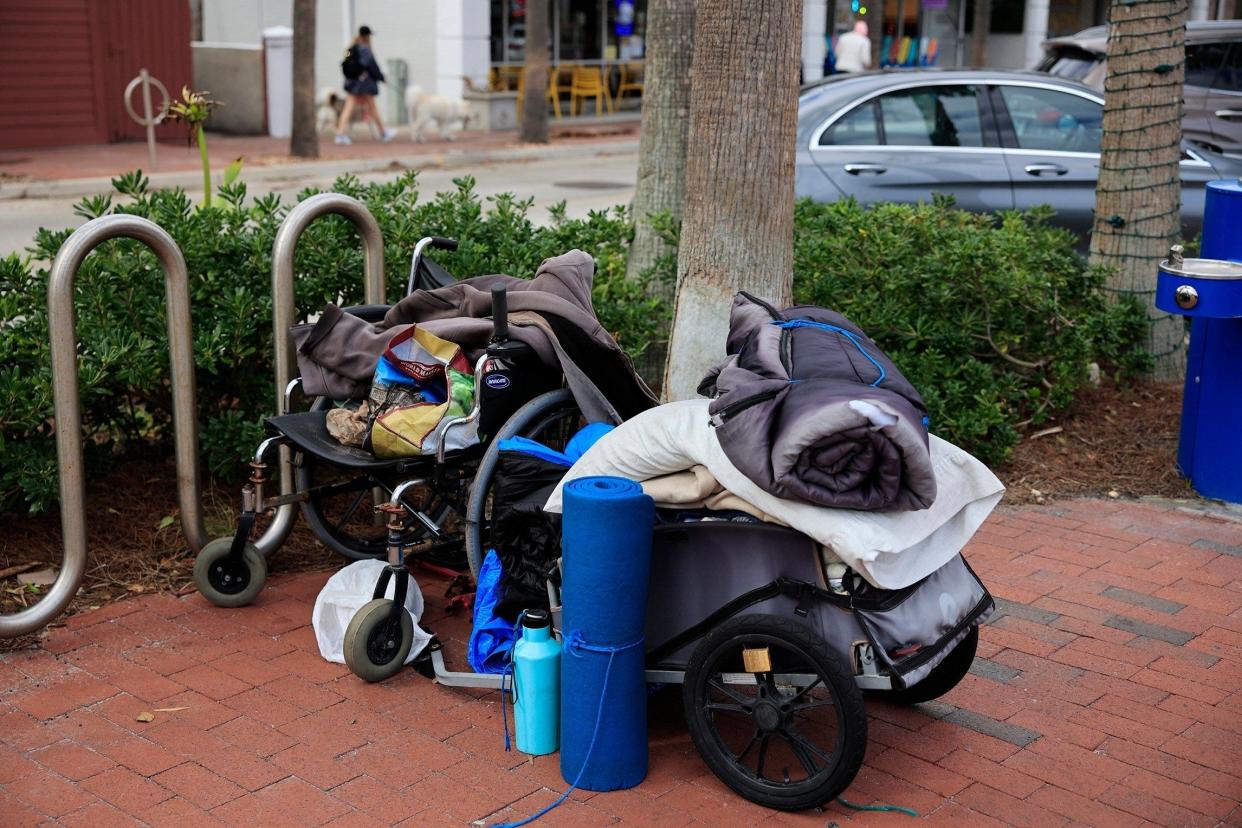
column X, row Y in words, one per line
column 328, row 109
column 428, row 110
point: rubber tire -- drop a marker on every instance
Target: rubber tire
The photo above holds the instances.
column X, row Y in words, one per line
column 849, row 699
column 521, row 420
column 357, row 638
column 943, row 677
column 315, row 520
column 254, row 561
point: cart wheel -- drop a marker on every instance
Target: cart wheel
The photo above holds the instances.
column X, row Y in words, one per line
column 228, row 583
column 375, row 645
column 788, row 733
column 943, row 677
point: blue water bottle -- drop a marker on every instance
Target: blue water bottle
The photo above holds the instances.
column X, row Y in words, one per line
column 537, row 685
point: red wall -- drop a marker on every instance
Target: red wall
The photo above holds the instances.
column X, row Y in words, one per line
column 65, row 63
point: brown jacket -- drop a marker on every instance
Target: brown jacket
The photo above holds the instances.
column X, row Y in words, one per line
column 551, row 312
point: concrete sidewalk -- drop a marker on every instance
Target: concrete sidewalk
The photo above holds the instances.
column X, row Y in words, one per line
column 70, row 172
column 1106, row 692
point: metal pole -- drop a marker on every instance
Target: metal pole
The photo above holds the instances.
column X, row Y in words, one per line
column 147, row 115
column 64, row 341
column 283, row 248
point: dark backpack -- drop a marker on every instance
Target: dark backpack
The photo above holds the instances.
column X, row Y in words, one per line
column 352, row 66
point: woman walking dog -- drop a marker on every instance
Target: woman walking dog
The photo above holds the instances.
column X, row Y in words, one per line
column 362, row 80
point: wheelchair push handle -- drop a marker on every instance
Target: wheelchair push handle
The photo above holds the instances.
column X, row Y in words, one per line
column 441, row 243
column 500, row 313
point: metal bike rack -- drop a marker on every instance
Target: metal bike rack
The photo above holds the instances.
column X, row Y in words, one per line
column 62, row 321
column 283, row 248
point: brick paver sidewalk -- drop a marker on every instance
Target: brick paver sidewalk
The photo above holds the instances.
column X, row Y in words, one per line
column 1106, row 693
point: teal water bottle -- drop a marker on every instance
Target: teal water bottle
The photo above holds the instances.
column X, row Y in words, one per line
column 537, row 685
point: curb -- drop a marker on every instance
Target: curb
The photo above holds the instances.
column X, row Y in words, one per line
column 189, row 179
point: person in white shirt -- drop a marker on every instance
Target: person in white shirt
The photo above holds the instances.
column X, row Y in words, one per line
column 854, row 49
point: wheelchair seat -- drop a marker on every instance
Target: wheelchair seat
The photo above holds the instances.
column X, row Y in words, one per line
column 308, row 431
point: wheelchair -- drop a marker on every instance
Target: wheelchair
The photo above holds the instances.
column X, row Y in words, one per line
column 357, row 504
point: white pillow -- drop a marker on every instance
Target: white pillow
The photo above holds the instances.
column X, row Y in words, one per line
column 890, row 549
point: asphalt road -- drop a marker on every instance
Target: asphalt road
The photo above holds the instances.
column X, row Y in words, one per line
column 585, row 183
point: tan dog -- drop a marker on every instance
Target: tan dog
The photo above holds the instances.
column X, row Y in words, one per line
column 328, row 109
column 433, row 110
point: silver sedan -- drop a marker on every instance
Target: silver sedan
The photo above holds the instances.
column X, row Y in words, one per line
column 993, row 140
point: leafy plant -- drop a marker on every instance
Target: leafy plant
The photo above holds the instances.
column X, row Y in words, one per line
column 126, row 399
column 995, row 320
column 194, row 109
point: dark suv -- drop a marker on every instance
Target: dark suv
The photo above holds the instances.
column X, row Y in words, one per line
column 1213, row 115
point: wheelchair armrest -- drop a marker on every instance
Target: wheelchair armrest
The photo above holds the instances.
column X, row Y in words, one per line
column 367, row 313
column 293, row 383
column 472, row 417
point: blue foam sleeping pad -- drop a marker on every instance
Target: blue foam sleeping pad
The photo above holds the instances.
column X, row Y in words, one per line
column 606, row 543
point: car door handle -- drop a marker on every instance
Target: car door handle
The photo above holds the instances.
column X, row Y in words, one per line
column 864, row 169
column 1229, row 113
column 1045, row 169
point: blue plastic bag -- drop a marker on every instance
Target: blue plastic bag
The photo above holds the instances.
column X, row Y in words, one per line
column 491, row 640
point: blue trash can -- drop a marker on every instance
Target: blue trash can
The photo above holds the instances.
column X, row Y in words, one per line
column 1209, row 290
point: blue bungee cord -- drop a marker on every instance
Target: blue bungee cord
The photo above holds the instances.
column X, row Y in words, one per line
column 573, row 642
column 850, row 335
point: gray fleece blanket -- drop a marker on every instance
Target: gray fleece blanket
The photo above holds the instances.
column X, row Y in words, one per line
column 810, row 409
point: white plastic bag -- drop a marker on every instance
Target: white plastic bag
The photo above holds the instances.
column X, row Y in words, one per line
column 344, row 594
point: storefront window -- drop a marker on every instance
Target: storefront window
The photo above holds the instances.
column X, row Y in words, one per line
column 588, row 31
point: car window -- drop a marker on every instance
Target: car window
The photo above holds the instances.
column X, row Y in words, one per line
column 1203, row 61
column 1229, row 79
column 1045, row 119
column 856, row 127
column 932, row 116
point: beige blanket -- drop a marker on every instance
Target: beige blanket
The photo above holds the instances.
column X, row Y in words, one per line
column 698, row 488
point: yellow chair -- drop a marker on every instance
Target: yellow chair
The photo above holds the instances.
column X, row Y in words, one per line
column 553, row 91
column 588, row 82
column 557, row 86
column 631, row 81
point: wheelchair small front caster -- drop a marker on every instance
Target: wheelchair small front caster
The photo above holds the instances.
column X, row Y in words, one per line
column 376, row 643
column 227, row 582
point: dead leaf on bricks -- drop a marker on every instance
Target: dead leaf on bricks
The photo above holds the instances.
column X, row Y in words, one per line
column 145, row 716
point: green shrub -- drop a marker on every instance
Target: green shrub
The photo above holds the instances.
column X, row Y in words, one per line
column 126, row 399
column 995, row 324
column 994, row 321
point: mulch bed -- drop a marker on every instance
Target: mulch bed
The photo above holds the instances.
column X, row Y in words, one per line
column 1113, row 442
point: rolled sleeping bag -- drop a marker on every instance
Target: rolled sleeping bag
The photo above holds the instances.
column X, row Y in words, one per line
column 606, row 544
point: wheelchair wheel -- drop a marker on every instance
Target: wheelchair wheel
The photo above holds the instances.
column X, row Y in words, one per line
column 341, row 507
column 943, row 677
column 774, row 713
column 376, row 644
column 552, row 419
column 228, row 583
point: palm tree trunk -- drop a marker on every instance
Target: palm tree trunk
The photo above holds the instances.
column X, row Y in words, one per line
column 534, row 126
column 979, row 27
column 304, row 141
column 662, row 147
column 737, row 225
column 1138, row 197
